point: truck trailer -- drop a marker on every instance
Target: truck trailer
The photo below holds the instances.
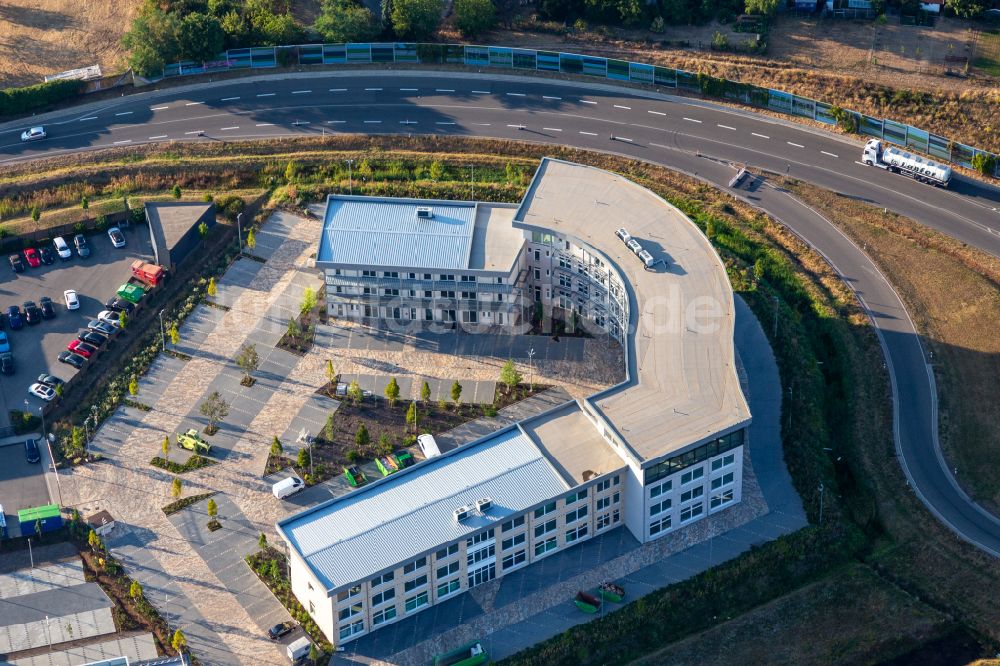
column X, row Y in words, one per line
column 901, row 161
column 148, row 273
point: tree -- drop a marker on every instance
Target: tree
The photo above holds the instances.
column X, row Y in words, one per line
column 302, row 458
column 38, row 528
column 211, row 289
column 77, row 437
column 425, row 392
column 177, row 191
column 392, row 392
column 362, row 438
column 416, row 19
column 411, row 416
column 215, row 409
column 276, row 448
column 262, row 541
column 123, row 321
column 330, row 373
column 135, row 590
column 94, row 541
column 355, row 393
column 314, row 653
column 984, row 163
column 291, row 171
column 456, row 393
column 474, row 17
column 152, row 40
column 330, row 428
column 248, row 360
column 133, row 386
column 178, row 642
column 308, row 300
column 165, row 447
column 203, row 230
column 966, row 8
column 212, row 508
column 436, row 170
column 35, row 214
column 387, row 15
column 175, row 336
column 251, row 240
column 84, row 202
column 509, row 376
column 200, row 37
column 765, row 7
column 340, row 21
column 384, row 445
column 176, row 487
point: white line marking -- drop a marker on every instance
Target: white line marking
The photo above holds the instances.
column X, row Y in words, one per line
column 408, row 89
column 657, row 113
column 587, row 101
column 659, row 145
column 552, row 129
column 797, row 145
column 158, row 108
column 619, row 106
column 482, row 124
column 516, row 126
column 230, row 99
column 266, row 94
column 692, row 120
column 372, row 122
column 301, row 92
column 335, row 122
column 830, row 154
column 124, row 113
column 88, row 118
column 338, row 89
column 373, row 89
column 763, row 136
column 481, row 92
column 118, row 143
column 196, row 132
column 550, row 97
column 158, row 136
column 301, row 122
column 223, row 129
column 444, row 90
column 265, row 124
column 516, row 94
column 623, row 138
column 194, row 103
column 407, row 122
column 588, row 133
column 444, row 122
column 726, row 127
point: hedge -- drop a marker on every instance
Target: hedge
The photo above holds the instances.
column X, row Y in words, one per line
column 19, row 101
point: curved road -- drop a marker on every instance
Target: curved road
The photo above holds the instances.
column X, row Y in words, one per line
column 698, row 138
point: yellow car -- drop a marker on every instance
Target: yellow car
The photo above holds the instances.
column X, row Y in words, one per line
column 192, row 441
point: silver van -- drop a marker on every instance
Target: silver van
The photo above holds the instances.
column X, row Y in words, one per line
column 299, row 649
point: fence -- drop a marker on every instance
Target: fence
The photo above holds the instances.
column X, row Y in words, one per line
column 529, row 60
column 87, row 226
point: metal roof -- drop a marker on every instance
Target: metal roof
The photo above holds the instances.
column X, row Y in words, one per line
column 377, row 527
column 386, row 232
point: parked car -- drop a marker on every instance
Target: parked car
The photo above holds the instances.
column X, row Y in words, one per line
column 72, row 301
column 4, row 342
column 279, row 630
column 31, row 451
column 31, row 256
column 42, row 391
column 16, row 264
column 111, row 317
column 116, row 236
column 286, row 487
column 192, row 441
column 47, row 255
column 62, row 248
column 91, row 338
column 120, row 304
column 49, row 380
column 100, row 327
column 48, row 309
column 32, row 313
column 15, row 318
column 81, row 348
column 33, row 134
column 69, row 358
column 6, row 363
column 82, row 248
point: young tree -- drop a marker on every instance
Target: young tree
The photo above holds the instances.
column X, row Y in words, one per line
column 314, row 653
column 135, row 590
column 212, row 509
column 411, row 416
column 294, row 330
column 176, row 191
column 384, row 445
column 509, row 376
column 176, row 487
column 211, row 289
column 308, row 300
column 425, row 392
column 330, row 428
column 175, row 335
column 330, row 373
column 474, row 17
column 84, row 202
column 35, row 214
column 165, row 447
column 392, row 392
column 276, row 448
column 262, row 541
column 302, row 458
column 362, row 438
column 215, row 409
column 354, row 393
column 133, row 386
column 123, row 321
column 203, row 230
column 178, row 642
column 251, row 240
column 456, row 393
column 248, row 360
column 77, row 438
column 436, row 170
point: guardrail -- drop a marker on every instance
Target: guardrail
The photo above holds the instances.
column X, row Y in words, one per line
column 610, row 69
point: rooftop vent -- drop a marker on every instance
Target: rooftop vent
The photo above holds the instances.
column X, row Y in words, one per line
column 425, row 212
column 462, row 512
column 484, row 504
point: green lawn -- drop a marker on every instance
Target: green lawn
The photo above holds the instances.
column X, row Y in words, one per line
column 988, row 53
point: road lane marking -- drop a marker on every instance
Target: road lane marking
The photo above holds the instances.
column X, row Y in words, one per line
column 481, row 92
column 338, row 89
column 230, row 99
column 516, row 126
column 124, row 113
column 196, row 132
column 158, row 108
column 194, row 103
column 619, row 106
column 660, row 145
column 229, row 128
column 830, row 154
column 550, row 97
column 266, row 94
column 797, row 145
column 726, row 127
column 588, row 133
column 444, row 90
column 301, row 122
column 482, row 124
column 88, row 118
column 763, row 136
column 118, row 143
column 372, row 122
column 265, row 124
column 158, row 136
column 622, row 138
column 373, row 89
column 657, row 113
column 335, row 122
column 587, row 101
column 552, row 129
column 408, row 90
column 516, row 94
column 692, row 120
column 407, row 122
column 444, row 122
column 304, row 92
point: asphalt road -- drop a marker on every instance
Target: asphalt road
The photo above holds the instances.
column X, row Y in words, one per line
column 695, row 137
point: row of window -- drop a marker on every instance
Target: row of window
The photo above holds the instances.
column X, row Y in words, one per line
column 693, row 457
column 443, row 277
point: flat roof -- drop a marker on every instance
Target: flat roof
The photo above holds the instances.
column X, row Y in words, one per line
column 572, row 444
column 682, row 387
column 495, row 241
column 395, row 519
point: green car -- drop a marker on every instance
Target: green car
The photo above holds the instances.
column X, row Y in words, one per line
column 355, row 476
column 131, row 292
column 192, row 441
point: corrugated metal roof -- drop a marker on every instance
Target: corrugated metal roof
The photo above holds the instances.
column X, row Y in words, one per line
column 378, row 231
column 368, row 530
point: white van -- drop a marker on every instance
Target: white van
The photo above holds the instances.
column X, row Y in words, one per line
column 62, row 248
column 428, row 446
column 286, row 487
column 299, row 649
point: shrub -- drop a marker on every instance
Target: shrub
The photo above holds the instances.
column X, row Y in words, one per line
column 474, row 17
column 18, row 101
column 846, row 120
column 719, row 41
column 984, row 163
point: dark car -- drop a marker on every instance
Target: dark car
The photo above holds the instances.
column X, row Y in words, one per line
column 119, row 304
column 48, row 309
column 47, row 254
column 91, row 337
column 32, row 313
column 49, row 380
column 82, row 248
column 70, row 358
column 7, row 363
column 279, row 630
column 15, row 318
column 16, row 263
column 31, row 451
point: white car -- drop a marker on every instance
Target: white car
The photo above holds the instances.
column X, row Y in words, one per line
column 33, row 134
column 110, row 317
column 116, row 236
column 42, row 391
column 62, row 248
column 72, row 301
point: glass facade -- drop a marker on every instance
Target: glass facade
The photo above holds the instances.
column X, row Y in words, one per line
column 694, row 456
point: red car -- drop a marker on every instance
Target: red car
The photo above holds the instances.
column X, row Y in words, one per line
column 82, row 348
column 31, row 254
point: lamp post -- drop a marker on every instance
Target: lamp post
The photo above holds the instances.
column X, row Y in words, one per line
column 163, row 331
column 239, row 230
column 531, row 369
column 350, row 176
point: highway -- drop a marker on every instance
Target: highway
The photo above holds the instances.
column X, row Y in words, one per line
column 698, row 138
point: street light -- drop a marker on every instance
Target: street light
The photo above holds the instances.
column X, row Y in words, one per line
column 350, row 175
column 163, row 332
column 531, row 369
column 239, row 230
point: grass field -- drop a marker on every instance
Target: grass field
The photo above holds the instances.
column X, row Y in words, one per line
column 988, row 53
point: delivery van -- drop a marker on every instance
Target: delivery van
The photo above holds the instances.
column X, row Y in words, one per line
column 286, row 487
column 299, row 649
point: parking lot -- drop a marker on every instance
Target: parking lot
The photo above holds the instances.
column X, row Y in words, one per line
column 22, row 484
column 95, row 279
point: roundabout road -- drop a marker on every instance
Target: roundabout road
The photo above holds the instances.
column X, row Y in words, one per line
column 698, row 138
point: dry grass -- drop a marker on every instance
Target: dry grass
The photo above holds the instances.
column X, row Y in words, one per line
column 39, row 37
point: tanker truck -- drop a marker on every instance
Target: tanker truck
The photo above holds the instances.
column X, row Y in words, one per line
column 901, row 161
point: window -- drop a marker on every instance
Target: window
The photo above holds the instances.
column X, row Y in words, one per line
column 578, row 533
column 693, row 457
column 483, row 574
column 427, row 276
column 512, row 523
column 445, row 552
column 444, row 589
column 418, row 563
column 411, row 585
column 576, row 497
column 349, row 612
column 479, row 538
column 383, row 597
column 538, row 274
column 514, row 559
column 659, row 507
column 516, row 540
column 692, row 475
column 468, row 278
column 447, row 278
column 481, row 554
column 351, row 629
column 724, row 461
column 545, row 528
column 368, row 274
column 347, row 594
column 723, row 480
column 576, row 514
column 469, row 295
column 691, row 512
column 603, row 503
column 538, row 255
column 543, row 547
column 447, row 294
column 384, row 616
column 542, row 510
column 658, row 490
column 447, row 570
column 615, row 516
column 415, row 602
column 725, row 497
column 661, row 525
column 312, row 608
column 689, row 495
column 603, row 521
column 603, row 485
column 390, row 274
